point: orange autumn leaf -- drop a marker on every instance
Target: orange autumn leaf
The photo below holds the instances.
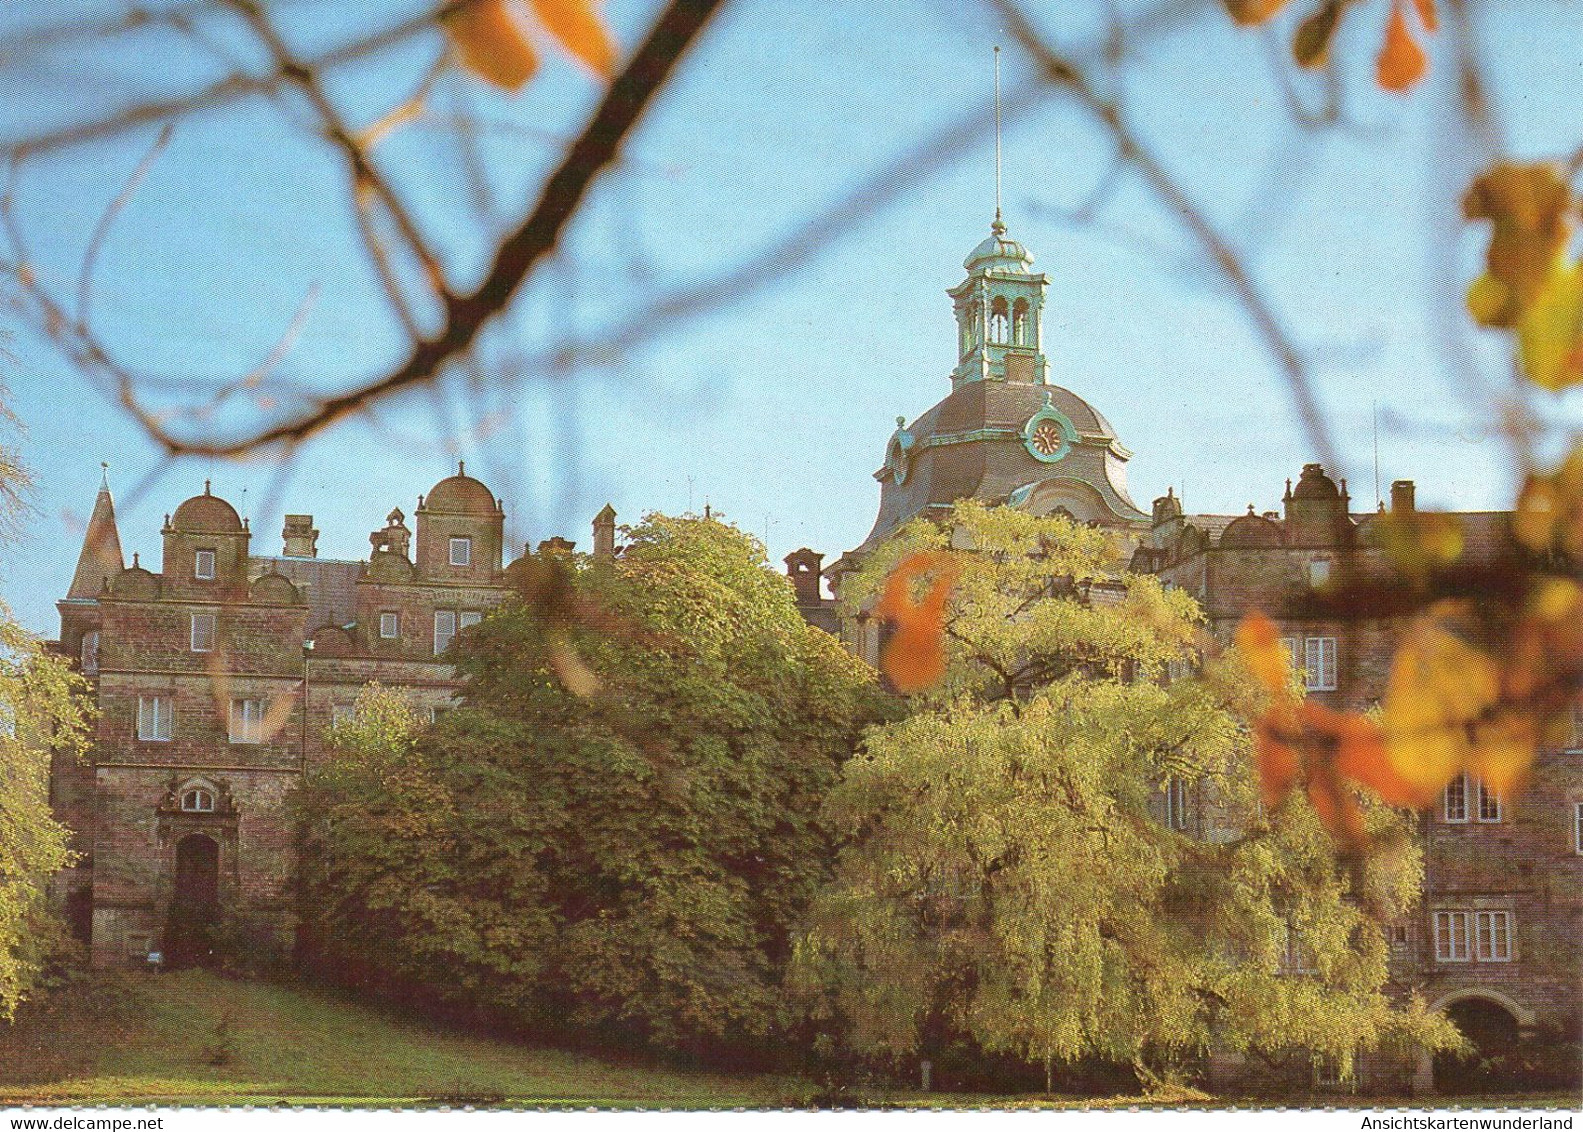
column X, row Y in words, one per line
column 913, row 658
column 492, row 43
column 1402, row 60
column 1250, row 13
column 579, row 30
column 1260, row 643
column 1427, row 15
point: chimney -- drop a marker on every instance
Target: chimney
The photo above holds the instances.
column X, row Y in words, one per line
column 802, row 567
column 1403, row 497
column 302, row 541
column 605, row 533
column 395, row 538
column 1167, row 507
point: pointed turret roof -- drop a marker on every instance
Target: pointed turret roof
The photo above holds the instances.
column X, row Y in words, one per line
column 101, row 548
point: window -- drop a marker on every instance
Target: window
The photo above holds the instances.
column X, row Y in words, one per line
column 1468, row 799
column 1493, row 935
column 153, row 719
column 197, row 800
column 1399, row 937
column 461, row 552
column 1577, row 827
column 444, row 629
column 1451, row 937
column 1175, row 803
column 247, row 721
column 1489, row 804
column 389, row 626
column 1296, row 956
column 203, row 565
column 1455, row 808
column 342, row 713
column 1575, row 742
column 203, row 632
column 90, row 653
column 1318, row 572
column 1320, row 653
column 468, row 618
column 437, row 710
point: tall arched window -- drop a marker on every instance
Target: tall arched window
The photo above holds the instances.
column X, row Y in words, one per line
column 197, row 800
column 998, row 321
column 1021, row 334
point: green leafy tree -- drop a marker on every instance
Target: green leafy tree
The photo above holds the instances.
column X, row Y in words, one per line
column 1010, row 874
column 632, row 859
column 42, row 709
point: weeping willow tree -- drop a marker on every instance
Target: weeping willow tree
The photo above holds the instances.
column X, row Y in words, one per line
column 1060, row 855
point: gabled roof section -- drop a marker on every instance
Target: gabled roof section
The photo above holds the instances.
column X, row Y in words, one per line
column 100, row 559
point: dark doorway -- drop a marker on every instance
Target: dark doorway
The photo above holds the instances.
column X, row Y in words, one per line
column 1493, row 1032
column 195, row 906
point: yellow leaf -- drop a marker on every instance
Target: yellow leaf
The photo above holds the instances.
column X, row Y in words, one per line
column 1550, row 331
column 579, row 30
column 492, row 44
column 1530, row 207
column 1438, row 687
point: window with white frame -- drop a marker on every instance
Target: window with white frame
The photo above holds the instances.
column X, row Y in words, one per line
column 1399, row 937
column 197, row 800
column 202, row 632
column 1451, row 937
column 1320, row 668
column 1176, row 816
column 1489, row 811
column 1468, row 799
column 461, row 552
column 1575, row 742
column 444, row 629
column 203, row 565
column 1577, row 827
column 90, row 653
column 389, row 626
column 468, row 618
column 1492, row 933
column 247, row 721
column 154, row 719
column 1454, row 805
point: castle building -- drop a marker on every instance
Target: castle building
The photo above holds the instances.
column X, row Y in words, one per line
column 1497, row 941
column 217, row 677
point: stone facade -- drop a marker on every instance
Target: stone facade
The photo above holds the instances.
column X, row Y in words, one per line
column 217, row 678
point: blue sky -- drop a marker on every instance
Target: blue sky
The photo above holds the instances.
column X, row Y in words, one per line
column 775, row 407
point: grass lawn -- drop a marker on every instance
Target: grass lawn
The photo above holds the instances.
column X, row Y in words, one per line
column 141, row 1039
column 153, row 1038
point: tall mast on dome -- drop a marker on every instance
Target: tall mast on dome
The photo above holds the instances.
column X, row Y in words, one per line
column 999, row 226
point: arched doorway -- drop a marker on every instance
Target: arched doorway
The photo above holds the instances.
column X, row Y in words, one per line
column 1494, row 1032
column 195, row 904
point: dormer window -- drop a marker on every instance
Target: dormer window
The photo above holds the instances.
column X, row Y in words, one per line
column 461, row 552
column 203, row 565
column 197, row 801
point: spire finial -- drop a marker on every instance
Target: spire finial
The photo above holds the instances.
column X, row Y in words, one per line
column 206, row 490
column 104, row 475
column 461, row 467
column 998, row 226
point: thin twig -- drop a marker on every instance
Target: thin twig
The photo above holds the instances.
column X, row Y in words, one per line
column 102, row 229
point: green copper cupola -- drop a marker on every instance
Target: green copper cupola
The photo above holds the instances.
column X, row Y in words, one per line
column 998, row 314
